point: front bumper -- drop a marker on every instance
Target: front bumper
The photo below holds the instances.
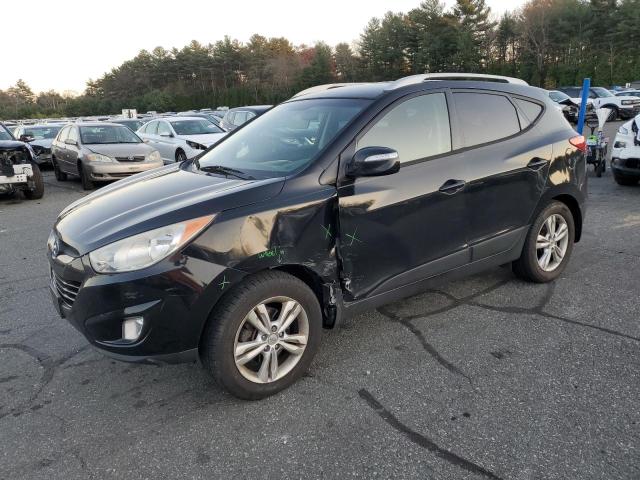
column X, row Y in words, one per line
column 626, row 166
column 629, row 111
column 174, row 302
column 117, row 170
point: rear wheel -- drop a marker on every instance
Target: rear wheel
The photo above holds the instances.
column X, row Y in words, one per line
column 548, row 245
column 262, row 336
column 625, row 180
column 38, row 185
column 60, row 175
column 87, row 183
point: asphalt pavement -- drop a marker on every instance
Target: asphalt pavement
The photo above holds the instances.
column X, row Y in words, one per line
column 488, row 377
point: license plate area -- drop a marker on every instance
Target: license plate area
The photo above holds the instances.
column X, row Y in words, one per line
column 19, row 178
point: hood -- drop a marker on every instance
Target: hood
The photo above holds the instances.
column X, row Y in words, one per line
column 153, row 199
column 121, row 149
column 11, row 144
column 207, row 139
column 43, row 142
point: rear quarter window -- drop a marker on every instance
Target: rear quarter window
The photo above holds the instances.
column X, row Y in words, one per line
column 529, row 112
column 485, row 117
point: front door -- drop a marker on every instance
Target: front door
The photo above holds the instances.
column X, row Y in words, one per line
column 401, row 228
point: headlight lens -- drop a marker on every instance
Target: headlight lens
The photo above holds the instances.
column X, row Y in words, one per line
column 627, row 102
column 154, row 156
column 98, row 157
column 145, row 249
column 623, row 131
column 195, row 145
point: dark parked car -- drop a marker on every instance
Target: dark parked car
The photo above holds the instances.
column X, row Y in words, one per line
column 19, row 170
column 100, row 152
column 236, row 117
column 330, row 204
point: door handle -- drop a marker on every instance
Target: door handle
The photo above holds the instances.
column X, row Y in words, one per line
column 537, row 163
column 452, row 186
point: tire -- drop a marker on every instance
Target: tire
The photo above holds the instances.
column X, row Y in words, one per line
column 60, row 175
column 599, row 168
column 38, row 190
column 614, row 113
column 228, row 324
column 180, row 156
column 87, row 183
column 624, row 180
column 528, row 266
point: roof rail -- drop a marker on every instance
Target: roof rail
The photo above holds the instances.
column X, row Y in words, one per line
column 322, row 88
column 478, row 77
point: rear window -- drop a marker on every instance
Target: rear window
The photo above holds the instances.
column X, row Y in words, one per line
column 486, row 117
column 529, row 112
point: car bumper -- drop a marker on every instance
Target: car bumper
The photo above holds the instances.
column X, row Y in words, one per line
column 116, row 171
column 628, row 167
column 173, row 303
column 628, row 111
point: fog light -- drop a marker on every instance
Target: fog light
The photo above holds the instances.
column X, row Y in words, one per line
column 132, row 328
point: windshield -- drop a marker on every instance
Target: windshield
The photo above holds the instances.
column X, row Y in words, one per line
column 602, row 92
column 4, row 135
column 42, row 133
column 201, row 126
column 558, row 96
column 284, row 140
column 107, row 134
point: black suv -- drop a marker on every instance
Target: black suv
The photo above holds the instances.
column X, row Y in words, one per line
column 336, row 201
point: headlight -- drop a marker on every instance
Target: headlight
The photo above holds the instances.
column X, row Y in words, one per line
column 195, row 145
column 627, row 102
column 154, row 156
column 98, row 157
column 623, row 131
column 145, row 249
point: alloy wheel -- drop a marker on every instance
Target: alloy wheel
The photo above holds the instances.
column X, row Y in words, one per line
column 552, row 242
column 271, row 340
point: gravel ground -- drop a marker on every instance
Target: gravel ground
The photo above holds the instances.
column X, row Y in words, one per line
column 488, row 377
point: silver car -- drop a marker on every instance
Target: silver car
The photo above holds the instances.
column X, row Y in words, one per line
column 100, row 152
column 180, row 138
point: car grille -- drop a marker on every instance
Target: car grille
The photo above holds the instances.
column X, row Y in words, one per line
column 67, row 289
column 632, row 163
column 136, row 158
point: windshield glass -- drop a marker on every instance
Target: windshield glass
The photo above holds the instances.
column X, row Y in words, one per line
column 4, row 135
column 602, row 92
column 201, row 126
column 107, row 134
column 558, row 96
column 286, row 139
column 41, row 133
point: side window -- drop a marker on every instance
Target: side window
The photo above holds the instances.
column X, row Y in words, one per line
column 417, row 128
column 163, row 127
column 239, row 118
column 62, row 136
column 529, row 112
column 73, row 134
column 229, row 117
column 592, row 94
column 250, row 115
column 485, row 117
column 152, row 128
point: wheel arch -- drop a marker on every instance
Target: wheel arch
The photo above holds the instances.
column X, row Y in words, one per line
column 573, row 205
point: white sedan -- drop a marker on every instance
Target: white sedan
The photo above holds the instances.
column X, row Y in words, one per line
column 180, row 138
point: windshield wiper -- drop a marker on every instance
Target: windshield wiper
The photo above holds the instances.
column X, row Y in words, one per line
column 226, row 171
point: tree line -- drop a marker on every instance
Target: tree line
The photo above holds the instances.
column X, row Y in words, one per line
column 545, row 42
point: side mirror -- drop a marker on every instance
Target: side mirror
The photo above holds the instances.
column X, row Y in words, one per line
column 166, row 134
column 69, row 141
column 373, row 162
column 26, row 138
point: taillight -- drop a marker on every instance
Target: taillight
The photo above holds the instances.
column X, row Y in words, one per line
column 579, row 142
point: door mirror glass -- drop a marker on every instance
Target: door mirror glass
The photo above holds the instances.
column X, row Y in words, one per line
column 374, row 161
column 70, row 141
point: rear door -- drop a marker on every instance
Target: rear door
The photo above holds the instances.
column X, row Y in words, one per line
column 165, row 142
column 400, row 228
column 73, row 150
column 508, row 164
column 59, row 149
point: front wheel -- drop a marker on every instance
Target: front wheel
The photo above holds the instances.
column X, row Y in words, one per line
column 548, row 245
column 262, row 336
column 87, row 183
column 613, row 115
column 180, row 156
column 38, row 184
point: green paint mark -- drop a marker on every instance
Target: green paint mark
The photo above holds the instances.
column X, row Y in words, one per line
column 274, row 252
column 327, row 231
column 354, row 237
column 224, row 283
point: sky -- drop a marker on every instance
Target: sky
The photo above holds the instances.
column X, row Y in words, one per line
column 61, row 44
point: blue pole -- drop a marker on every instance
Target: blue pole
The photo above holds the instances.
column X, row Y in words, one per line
column 586, row 84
